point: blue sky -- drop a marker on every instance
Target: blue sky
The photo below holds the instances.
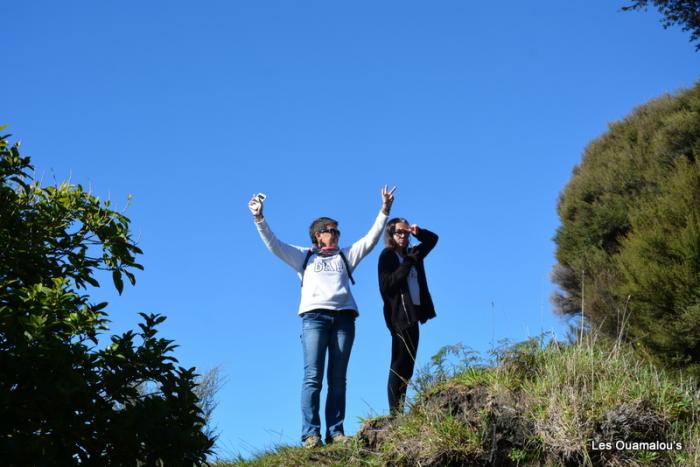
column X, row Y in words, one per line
column 477, row 111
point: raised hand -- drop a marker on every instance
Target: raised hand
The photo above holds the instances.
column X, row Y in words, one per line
column 256, row 206
column 387, row 199
column 414, row 229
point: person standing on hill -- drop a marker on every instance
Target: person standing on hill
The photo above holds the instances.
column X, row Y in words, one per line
column 407, row 300
column 327, row 309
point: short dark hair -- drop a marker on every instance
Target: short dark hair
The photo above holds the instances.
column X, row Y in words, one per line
column 318, row 225
column 391, row 230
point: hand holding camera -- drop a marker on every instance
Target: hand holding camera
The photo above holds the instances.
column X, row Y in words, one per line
column 256, row 206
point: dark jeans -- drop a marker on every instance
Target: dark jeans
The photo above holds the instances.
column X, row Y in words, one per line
column 325, row 332
column 404, row 345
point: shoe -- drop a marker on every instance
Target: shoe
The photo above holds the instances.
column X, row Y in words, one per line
column 312, row 441
column 339, row 439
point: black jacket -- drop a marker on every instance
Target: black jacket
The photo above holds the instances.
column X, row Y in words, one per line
column 399, row 312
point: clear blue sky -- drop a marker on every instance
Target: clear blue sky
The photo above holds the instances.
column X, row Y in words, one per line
column 477, row 111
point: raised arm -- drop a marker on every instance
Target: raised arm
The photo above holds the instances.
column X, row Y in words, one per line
column 290, row 254
column 391, row 272
column 427, row 239
column 363, row 246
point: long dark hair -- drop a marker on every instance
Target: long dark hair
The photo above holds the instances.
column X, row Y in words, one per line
column 390, row 230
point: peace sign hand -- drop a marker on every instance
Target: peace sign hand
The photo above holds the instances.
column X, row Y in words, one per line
column 387, row 199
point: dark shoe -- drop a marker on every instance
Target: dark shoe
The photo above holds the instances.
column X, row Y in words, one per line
column 313, row 441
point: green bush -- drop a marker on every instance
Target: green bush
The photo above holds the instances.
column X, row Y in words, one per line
column 628, row 247
column 63, row 401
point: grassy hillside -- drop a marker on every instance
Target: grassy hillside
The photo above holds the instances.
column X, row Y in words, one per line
column 540, row 403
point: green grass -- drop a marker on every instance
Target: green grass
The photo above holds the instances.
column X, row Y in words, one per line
column 333, row 455
column 540, row 403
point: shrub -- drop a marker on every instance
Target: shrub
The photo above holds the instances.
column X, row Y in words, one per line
column 63, row 401
column 629, row 240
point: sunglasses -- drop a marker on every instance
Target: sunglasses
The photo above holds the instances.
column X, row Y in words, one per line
column 402, row 233
column 330, row 231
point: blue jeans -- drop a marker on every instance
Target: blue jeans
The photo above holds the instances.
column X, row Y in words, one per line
column 332, row 332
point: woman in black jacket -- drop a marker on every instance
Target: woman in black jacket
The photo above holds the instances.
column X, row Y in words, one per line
column 407, row 300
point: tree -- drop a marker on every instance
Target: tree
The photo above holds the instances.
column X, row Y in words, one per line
column 660, row 264
column 628, row 248
column 62, row 399
column 685, row 13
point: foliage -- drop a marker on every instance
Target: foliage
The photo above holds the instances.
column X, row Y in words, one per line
column 207, row 386
column 62, row 400
column 685, row 13
column 661, row 266
column 543, row 403
column 628, row 247
column 449, row 361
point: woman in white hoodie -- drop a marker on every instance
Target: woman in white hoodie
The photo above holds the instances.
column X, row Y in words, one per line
column 328, row 311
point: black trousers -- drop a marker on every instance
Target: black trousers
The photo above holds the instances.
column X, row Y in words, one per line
column 404, row 345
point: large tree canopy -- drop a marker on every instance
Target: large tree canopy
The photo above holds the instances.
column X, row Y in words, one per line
column 685, row 13
column 63, row 401
column 628, row 247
